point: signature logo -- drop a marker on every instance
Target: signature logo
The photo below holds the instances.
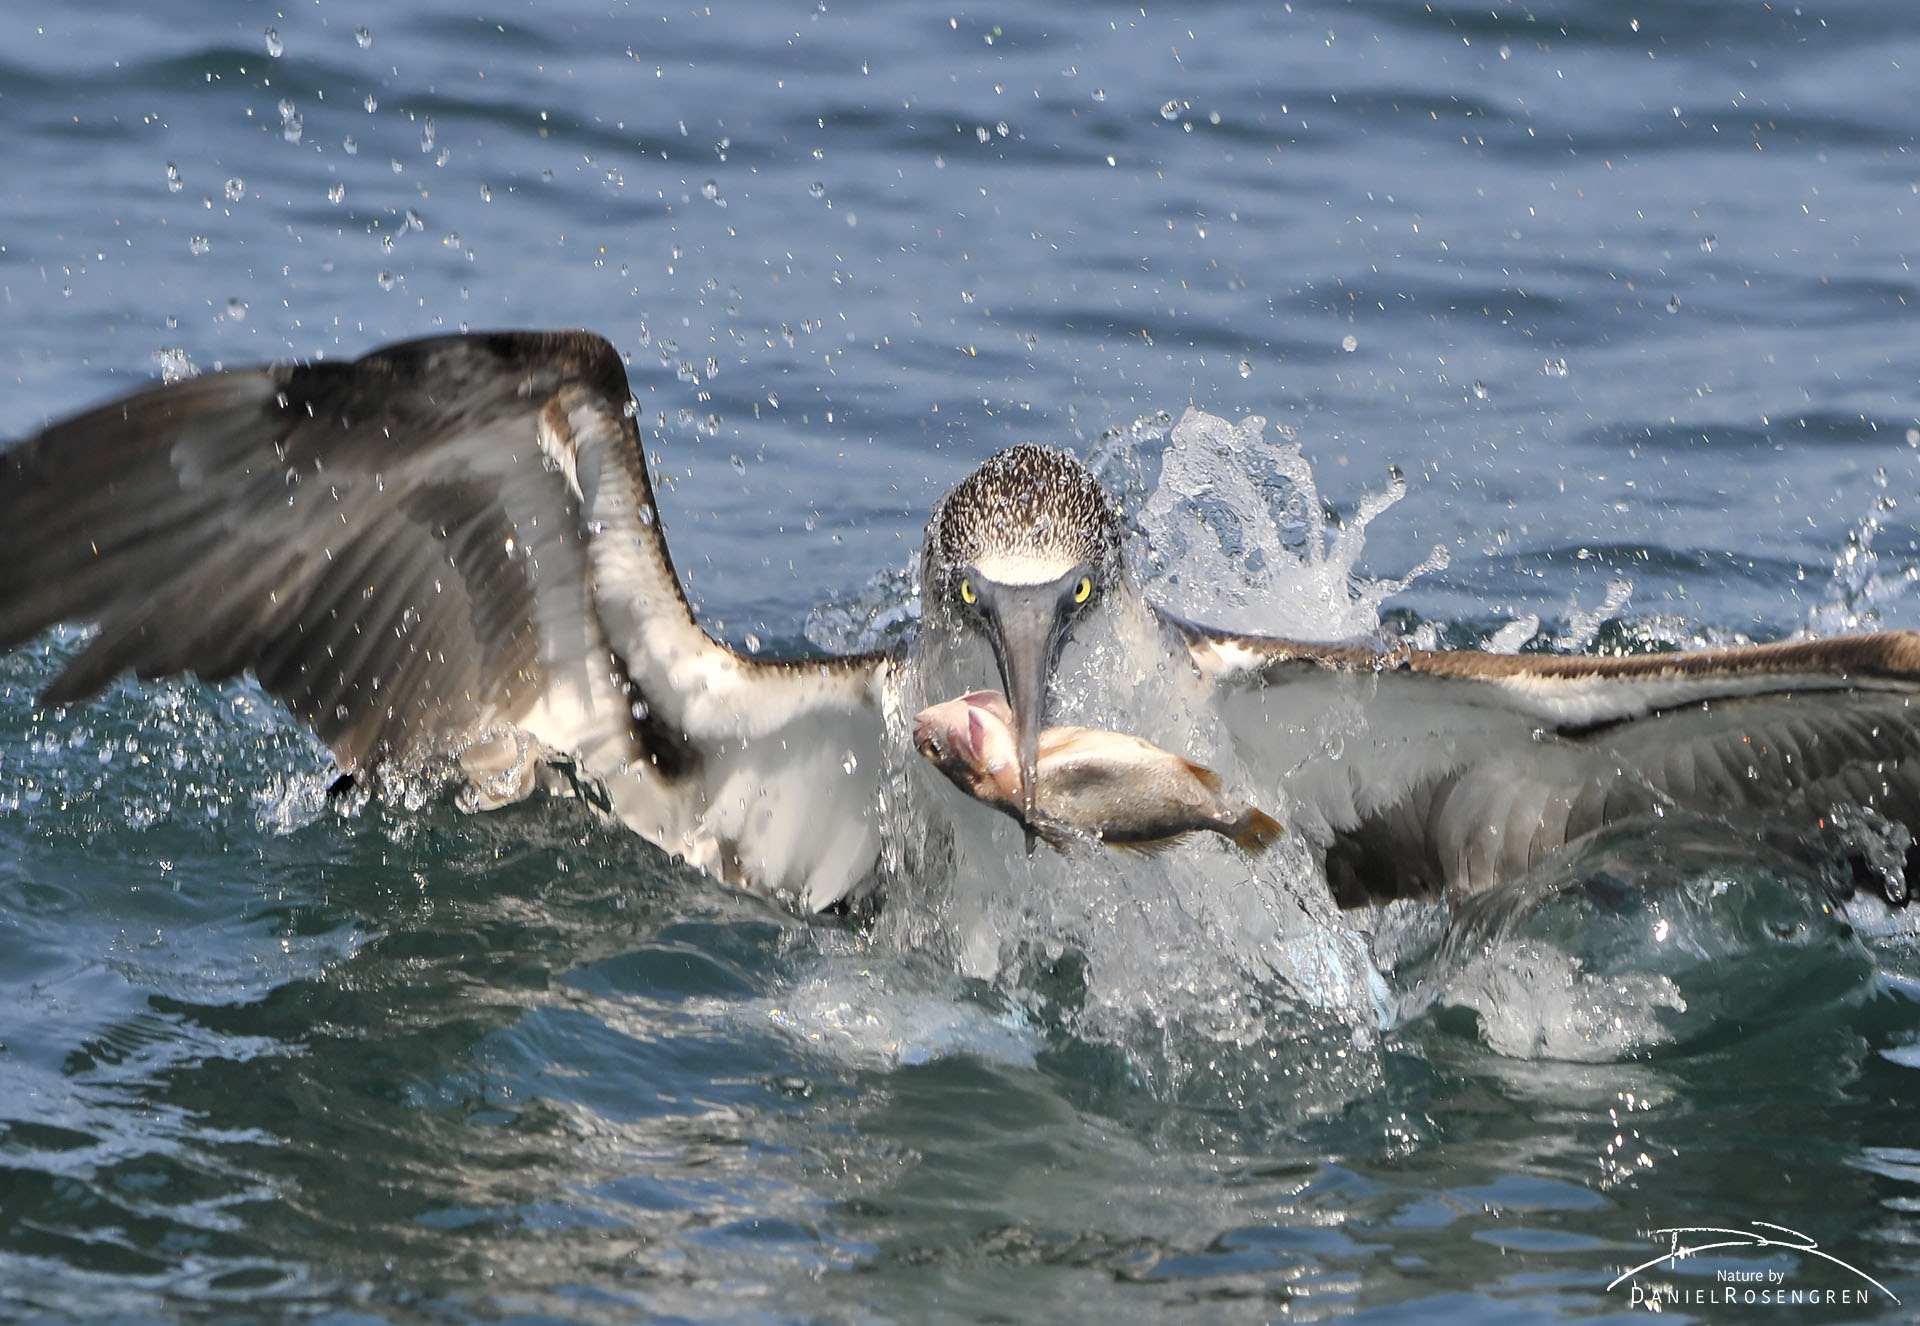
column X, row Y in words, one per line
column 1761, row 1285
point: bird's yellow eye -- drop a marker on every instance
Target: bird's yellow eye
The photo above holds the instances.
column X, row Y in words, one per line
column 1084, row 590
column 966, row 591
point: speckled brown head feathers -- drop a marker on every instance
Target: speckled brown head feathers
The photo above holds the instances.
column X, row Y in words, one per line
column 1028, row 515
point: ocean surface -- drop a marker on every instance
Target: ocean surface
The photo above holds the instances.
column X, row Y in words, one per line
column 1620, row 301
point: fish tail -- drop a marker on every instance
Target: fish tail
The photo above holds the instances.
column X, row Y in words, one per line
column 1255, row 831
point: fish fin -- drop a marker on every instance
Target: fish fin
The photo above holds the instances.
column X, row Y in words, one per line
column 1148, row 847
column 1206, row 777
column 1255, row 831
column 1056, row 834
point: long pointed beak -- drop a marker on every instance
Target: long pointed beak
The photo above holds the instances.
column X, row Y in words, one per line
column 1026, row 636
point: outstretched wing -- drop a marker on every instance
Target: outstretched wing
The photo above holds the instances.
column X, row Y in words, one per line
column 1424, row 773
column 447, row 548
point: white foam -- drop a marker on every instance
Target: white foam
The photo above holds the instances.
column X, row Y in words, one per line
column 1236, row 535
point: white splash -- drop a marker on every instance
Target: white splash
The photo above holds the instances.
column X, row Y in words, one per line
column 1537, row 1002
column 1861, row 587
column 887, row 1015
column 1236, row 534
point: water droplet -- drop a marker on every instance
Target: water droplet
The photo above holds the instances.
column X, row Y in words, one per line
column 1555, row 367
column 426, row 135
column 413, row 221
column 1246, row 368
column 739, row 466
column 372, row 103
column 292, row 124
column 387, row 280
column 1480, row 392
column 752, row 642
column 486, row 193
column 1673, row 304
column 1349, row 342
column 173, row 322
column 236, row 189
column 510, row 547
column 275, row 47
column 364, row 37
column 237, row 309
column 173, row 178
column 1171, row 110
column 1099, row 94
column 1708, row 243
column 174, row 363
column 1506, row 51
column 199, row 245
column 851, row 763
column 350, row 146
column 817, row 189
column 336, row 191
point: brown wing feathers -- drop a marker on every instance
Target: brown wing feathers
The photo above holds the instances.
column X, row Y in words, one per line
column 349, row 531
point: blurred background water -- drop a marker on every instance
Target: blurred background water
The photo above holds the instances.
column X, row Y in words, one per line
column 1627, row 301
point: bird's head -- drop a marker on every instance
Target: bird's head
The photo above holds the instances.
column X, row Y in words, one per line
column 1018, row 553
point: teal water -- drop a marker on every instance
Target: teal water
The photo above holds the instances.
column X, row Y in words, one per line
column 1628, row 302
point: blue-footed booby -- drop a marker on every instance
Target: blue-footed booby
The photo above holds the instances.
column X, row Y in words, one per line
column 449, row 551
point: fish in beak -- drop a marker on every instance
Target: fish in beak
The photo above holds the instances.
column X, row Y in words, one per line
column 1091, row 784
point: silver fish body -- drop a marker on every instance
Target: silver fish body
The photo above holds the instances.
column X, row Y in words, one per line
column 1088, row 782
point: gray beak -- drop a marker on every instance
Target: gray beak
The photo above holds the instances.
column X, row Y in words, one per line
column 1027, row 631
